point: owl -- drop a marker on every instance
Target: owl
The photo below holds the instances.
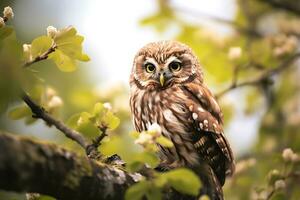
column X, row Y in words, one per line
column 166, row 86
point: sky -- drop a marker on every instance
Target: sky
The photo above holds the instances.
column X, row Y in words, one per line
column 113, row 36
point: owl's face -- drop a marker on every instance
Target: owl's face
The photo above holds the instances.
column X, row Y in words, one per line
column 160, row 65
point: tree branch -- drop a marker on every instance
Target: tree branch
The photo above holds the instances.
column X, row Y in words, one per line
column 39, row 112
column 30, row 166
column 262, row 78
column 45, row 168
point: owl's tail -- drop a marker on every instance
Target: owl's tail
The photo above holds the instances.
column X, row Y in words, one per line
column 210, row 183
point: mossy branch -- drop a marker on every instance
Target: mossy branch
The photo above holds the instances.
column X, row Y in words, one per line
column 30, row 166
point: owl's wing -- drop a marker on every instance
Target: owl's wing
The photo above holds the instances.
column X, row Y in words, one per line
column 210, row 140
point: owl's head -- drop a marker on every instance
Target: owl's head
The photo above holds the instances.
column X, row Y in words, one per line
column 160, row 65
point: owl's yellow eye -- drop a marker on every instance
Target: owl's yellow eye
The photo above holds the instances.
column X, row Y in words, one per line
column 175, row 66
column 149, row 67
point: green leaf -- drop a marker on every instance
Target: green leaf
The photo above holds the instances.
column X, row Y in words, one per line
column 40, row 45
column 134, row 166
column 71, row 44
column 149, row 158
column 72, row 121
column 30, row 120
column 183, row 180
column 82, row 123
column 154, row 193
column 111, row 121
column 64, row 34
column 63, row 62
column 44, row 197
column 98, row 109
column 84, row 58
column 5, row 32
column 137, row 191
column 165, row 142
column 19, row 112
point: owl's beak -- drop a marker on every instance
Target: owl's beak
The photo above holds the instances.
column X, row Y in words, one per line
column 162, row 80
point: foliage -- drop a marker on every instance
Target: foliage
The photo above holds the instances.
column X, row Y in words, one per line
column 182, row 180
column 269, row 170
column 237, row 59
column 64, row 48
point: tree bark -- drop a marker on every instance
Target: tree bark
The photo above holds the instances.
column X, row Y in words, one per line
column 30, row 166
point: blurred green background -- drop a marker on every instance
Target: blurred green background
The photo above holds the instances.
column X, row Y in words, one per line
column 229, row 36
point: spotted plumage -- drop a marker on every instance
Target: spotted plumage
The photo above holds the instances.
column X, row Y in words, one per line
column 167, row 88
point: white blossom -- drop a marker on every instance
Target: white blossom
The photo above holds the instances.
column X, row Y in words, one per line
column 280, row 184
column 287, row 154
column 26, row 48
column 51, row 31
column 50, row 92
column 55, row 102
column 107, row 106
column 8, row 12
column 2, row 23
column 234, row 53
column 155, row 128
column 144, row 138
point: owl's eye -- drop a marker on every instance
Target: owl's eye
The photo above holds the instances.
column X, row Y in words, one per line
column 149, row 67
column 175, row 66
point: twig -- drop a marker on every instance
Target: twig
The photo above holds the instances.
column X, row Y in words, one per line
column 43, row 56
column 39, row 112
column 271, row 193
column 262, row 78
column 92, row 149
column 231, row 23
column 284, row 5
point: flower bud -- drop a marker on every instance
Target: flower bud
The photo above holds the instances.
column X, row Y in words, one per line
column 234, row 53
column 279, row 184
column 107, row 106
column 2, row 23
column 55, row 102
column 295, row 158
column 273, row 176
column 204, row 197
column 8, row 12
column 287, row 154
column 51, row 31
column 144, row 138
column 26, row 48
column 154, row 129
column 50, row 93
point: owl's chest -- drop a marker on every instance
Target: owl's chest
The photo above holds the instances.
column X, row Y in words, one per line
column 166, row 108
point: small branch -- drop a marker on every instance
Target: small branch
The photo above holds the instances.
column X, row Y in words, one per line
column 271, row 193
column 231, row 23
column 285, row 5
column 43, row 56
column 39, row 112
column 92, row 149
column 262, row 78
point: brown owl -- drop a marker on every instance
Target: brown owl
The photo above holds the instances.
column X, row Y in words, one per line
column 167, row 88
